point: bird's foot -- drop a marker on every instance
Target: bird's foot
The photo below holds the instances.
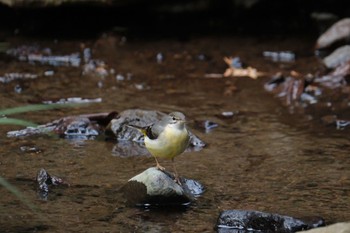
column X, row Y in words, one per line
column 160, row 167
column 177, row 180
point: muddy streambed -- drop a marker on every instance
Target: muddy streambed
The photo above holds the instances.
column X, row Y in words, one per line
column 265, row 157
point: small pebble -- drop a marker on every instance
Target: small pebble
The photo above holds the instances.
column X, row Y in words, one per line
column 159, row 58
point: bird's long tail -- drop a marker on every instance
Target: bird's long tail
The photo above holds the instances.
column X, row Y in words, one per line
column 143, row 130
column 146, row 132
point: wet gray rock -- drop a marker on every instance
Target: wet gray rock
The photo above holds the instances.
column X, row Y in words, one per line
column 83, row 127
column 119, row 127
column 73, row 127
column 244, row 221
column 80, row 128
column 153, row 187
column 114, row 125
column 338, row 57
column 30, row 130
column 343, row 227
column 338, row 31
column 44, row 181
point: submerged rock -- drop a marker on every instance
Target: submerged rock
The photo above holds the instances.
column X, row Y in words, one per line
column 244, row 221
column 343, row 227
column 9, row 77
column 332, row 120
column 206, row 125
column 79, row 128
column 44, row 181
column 158, row 188
column 74, row 100
column 280, row 56
column 44, row 56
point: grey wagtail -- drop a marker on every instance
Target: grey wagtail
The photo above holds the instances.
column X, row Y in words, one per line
column 167, row 138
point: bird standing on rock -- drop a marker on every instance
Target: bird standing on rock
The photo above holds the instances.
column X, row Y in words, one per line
column 167, row 138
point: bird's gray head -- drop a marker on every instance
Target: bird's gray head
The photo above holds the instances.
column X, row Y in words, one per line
column 176, row 119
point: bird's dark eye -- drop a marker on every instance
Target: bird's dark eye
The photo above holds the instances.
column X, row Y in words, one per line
column 174, row 119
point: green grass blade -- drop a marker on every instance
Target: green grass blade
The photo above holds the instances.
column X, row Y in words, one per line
column 14, row 121
column 34, row 107
column 4, row 46
column 17, row 193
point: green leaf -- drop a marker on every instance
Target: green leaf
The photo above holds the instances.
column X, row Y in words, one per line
column 17, row 193
column 14, row 121
column 34, row 107
column 4, row 46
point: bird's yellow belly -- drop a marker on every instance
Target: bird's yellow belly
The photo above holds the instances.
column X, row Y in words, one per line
column 169, row 144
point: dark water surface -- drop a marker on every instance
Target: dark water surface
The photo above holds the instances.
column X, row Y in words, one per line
column 263, row 158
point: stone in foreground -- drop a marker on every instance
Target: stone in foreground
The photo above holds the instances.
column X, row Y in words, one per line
column 244, row 221
column 158, row 188
column 342, row 227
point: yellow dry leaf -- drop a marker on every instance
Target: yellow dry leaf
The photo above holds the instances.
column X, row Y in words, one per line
column 240, row 72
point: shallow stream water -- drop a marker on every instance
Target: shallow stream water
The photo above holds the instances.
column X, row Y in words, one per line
column 267, row 157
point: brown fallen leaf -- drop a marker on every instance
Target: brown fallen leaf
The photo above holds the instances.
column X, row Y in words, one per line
column 288, row 88
column 247, row 72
